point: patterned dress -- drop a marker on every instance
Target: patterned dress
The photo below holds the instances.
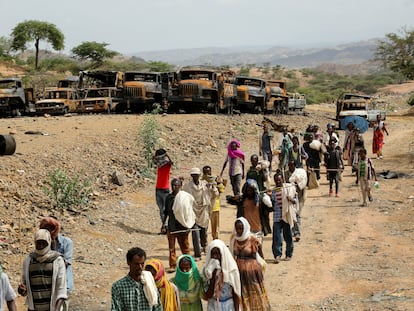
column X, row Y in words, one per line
column 254, row 297
column 225, row 302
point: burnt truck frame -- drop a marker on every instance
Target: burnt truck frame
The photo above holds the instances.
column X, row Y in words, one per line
column 203, row 89
column 15, row 100
column 146, row 91
column 277, row 97
column 297, row 101
column 252, row 94
column 101, row 91
column 57, row 101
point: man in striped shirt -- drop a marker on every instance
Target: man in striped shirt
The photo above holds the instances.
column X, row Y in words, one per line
column 44, row 276
column 283, row 197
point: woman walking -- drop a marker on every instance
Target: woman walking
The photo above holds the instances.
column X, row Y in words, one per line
column 222, row 278
column 378, row 139
column 188, row 280
column 247, row 251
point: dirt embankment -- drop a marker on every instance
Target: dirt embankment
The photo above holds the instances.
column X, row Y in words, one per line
column 349, row 257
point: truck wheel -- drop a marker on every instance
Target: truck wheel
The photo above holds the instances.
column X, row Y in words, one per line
column 257, row 110
column 216, row 108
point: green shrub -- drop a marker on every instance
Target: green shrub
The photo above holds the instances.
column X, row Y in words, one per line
column 148, row 137
column 244, row 71
column 65, row 191
column 410, row 100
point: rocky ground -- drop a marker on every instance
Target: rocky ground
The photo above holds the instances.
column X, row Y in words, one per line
column 349, row 258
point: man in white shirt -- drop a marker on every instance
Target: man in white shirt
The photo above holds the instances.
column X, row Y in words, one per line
column 7, row 293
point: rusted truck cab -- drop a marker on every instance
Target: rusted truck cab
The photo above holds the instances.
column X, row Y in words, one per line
column 277, row 100
column 145, row 91
column 98, row 100
column 201, row 89
column 58, row 101
column 297, row 101
column 365, row 106
column 252, row 94
column 14, row 99
column 101, row 91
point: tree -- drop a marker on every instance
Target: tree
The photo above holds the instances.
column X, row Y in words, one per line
column 93, row 51
column 5, row 46
column 29, row 31
column 396, row 52
column 160, row 66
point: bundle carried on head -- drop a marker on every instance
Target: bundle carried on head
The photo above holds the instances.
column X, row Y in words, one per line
column 161, row 158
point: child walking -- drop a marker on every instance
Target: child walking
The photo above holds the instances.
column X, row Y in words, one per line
column 366, row 173
column 334, row 163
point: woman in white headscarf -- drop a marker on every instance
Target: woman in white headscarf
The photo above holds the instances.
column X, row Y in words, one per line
column 222, row 278
column 247, row 251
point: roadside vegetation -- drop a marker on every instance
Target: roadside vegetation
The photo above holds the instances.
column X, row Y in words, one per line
column 394, row 56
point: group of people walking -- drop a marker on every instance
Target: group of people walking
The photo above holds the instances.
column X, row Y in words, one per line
column 231, row 278
column 232, row 274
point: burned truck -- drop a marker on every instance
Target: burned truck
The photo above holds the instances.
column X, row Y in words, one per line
column 146, row 91
column 277, row 97
column 101, row 91
column 203, row 90
column 252, row 94
column 58, row 101
column 15, row 100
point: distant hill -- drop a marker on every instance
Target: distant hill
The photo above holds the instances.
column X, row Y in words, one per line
column 292, row 58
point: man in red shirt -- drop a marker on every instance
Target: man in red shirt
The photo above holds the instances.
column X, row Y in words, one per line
column 162, row 187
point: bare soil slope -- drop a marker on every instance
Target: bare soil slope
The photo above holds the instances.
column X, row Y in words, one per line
column 349, row 257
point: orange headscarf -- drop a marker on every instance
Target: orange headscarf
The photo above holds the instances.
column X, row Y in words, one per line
column 167, row 292
column 52, row 225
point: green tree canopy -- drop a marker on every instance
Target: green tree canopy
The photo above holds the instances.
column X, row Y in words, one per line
column 32, row 30
column 5, row 46
column 396, row 52
column 93, row 51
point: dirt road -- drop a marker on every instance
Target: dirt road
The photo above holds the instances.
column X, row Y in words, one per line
column 349, row 257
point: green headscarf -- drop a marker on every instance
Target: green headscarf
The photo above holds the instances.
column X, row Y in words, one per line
column 186, row 280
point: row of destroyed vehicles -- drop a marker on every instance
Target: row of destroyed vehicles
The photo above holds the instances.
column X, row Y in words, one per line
column 189, row 90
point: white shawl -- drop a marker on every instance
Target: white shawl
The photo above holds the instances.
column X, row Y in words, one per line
column 150, row 289
column 288, row 208
column 183, row 209
column 229, row 267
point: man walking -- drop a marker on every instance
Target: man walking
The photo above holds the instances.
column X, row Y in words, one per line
column 7, row 293
column 203, row 195
column 284, row 216
column 265, row 145
column 178, row 219
column 137, row 290
column 44, row 276
column 63, row 245
column 162, row 187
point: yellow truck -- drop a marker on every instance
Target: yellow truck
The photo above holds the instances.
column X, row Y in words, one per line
column 277, row 97
column 57, row 101
column 101, row 91
column 146, row 91
column 252, row 94
column 203, row 90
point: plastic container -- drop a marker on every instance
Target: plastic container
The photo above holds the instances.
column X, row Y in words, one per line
column 376, row 184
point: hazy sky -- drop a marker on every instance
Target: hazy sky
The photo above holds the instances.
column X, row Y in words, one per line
column 143, row 25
